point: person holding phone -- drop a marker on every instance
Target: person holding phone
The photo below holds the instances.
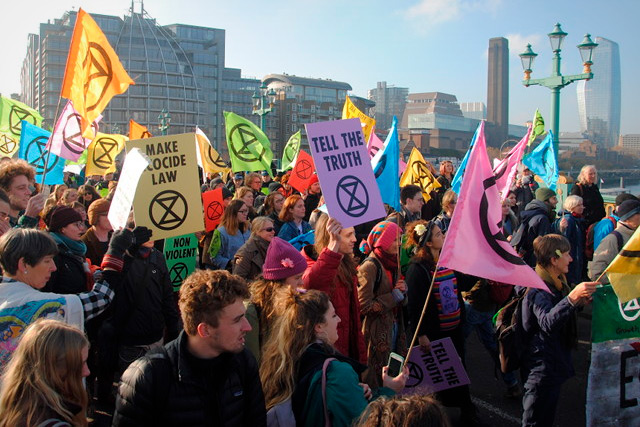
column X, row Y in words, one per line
column 293, row 365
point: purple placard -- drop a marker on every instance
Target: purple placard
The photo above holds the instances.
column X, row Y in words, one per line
column 437, row 370
column 344, row 170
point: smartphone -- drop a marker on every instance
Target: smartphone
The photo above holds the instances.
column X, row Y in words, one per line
column 395, row 364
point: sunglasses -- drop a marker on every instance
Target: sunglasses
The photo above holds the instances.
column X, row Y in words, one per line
column 269, row 229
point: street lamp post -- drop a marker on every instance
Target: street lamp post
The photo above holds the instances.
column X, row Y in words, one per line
column 557, row 81
column 260, row 108
column 164, row 118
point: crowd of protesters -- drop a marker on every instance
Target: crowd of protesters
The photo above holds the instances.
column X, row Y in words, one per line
column 273, row 327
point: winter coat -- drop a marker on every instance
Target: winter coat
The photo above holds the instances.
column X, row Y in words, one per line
column 524, row 195
column 322, row 274
column 536, row 220
column 145, row 306
column 95, row 248
column 310, row 204
column 163, row 388
column 229, row 245
column 70, row 276
column 592, row 200
column 549, row 321
column 380, row 312
column 289, row 230
column 442, row 221
column 345, row 399
column 250, row 258
column 575, row 233
column 607, row 251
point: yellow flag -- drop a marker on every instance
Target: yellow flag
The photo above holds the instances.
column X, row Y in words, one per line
column 208, row 158
column 350, row 111
column 137, row 131
column 624, row 270
column 102, row 152
column 94, row 73
column 8, row 145
column 417, row 173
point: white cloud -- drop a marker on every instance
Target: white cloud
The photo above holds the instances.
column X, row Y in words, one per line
column 518, row 42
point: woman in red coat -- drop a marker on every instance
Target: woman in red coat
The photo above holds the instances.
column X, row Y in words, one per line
column 332, row 269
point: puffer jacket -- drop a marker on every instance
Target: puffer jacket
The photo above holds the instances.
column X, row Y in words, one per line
column 161, row 388
column 322, row 274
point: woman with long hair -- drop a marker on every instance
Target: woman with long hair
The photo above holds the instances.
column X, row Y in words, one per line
column 444, row 312
column 249, row 259
column 302, row 340
column 445, row 178
column 449, row 201
column 87, row 194
column 292, row 216
column 587, row 188
column 42, row 384
column 231, row 234
column 332, row 269
column 272, row 207
column 549, row 318
column 283, row 267
column 381, row 293
column 247, row 195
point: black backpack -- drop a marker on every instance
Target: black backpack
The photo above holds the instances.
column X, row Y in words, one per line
column 510, row 334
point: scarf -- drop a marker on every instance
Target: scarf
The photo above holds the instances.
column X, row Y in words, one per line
column 76, row 247
column 389, row 261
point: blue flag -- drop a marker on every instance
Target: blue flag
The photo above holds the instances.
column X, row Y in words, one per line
column 543, row 161
column 386, row 168
column 303, row 240
column 456, row 183
column 33, row 142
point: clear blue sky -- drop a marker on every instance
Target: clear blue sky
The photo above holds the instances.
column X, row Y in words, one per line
column 425, row 45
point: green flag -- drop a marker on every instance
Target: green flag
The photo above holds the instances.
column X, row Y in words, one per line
column 612, row 319
column 249, row 147
column 290, row 152
column 538, row 127
column 13, row 112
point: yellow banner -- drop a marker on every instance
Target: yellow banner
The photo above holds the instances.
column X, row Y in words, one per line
column 102, row 152
column 350, row 111
column 94, row 73
column 208, row 158
column 168, row 197
column 8, row 145
column 137, row 131
column 417, row 173
column 624, row 270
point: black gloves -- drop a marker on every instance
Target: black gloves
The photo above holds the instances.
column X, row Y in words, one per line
column 141, row 235
column 120, row 242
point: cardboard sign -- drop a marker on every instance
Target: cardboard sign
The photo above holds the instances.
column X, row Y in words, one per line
column 613, row 389
column 213, row 208
column 168, row 196
column 302, row 172
column 181, row 254
column 437, row 370
column 134, row 164
column 344, row 170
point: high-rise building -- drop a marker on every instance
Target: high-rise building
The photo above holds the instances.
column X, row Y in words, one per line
column 599, row 99
column 175, row 67
column 474, row 110
column 390, row 101
column 301, row 100
column 498, row 91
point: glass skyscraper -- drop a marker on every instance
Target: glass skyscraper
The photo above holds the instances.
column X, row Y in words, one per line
column 599, row 100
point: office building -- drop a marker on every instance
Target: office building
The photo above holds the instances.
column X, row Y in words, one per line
column 389, row 101
column 599, row 99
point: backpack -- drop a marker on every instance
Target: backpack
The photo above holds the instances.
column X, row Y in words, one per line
column 510, row 334
column 376, row 262
column 588, row 246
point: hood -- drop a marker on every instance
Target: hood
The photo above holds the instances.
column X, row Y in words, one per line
column 533, row 208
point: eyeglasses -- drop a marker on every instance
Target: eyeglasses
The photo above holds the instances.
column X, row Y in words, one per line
column 269, row 229
column 79, row 224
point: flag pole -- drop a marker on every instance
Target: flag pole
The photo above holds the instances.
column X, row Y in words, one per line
column 424, row 310
column 46, row 160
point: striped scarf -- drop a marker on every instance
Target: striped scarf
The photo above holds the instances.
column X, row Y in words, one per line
column 446, row 293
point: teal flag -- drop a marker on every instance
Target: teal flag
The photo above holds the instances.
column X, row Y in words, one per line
column 33, row 142
column 249, row 147
column 181, row 254
column 386, row 168
column 543, row 161
column 290, row 152
column 456, row 183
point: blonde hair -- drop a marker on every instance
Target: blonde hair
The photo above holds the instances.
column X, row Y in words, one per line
column 347, row 268
column 571, row 202
column 449, row 196
column 404, row 411
column 582, row 177
column 258, row 224
column 44, row 376
column 294, row 329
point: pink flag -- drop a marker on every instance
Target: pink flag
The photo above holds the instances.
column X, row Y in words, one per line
column 374, row 145
column 505, row 170
column 474, row 243
column 67, row 140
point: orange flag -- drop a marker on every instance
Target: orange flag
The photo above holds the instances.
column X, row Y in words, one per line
column 94, row 73
column 137, row 131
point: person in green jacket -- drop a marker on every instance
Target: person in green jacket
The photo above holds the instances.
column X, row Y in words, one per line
column 295, row 359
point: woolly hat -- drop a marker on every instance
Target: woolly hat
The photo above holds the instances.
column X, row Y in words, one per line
column 543, row 194
column 628, row 208
column 226, row 193
column 97, row 208
column 382, row 236
column 313, row 180
column 282, row 260
column 274, row 186
column 62, row 216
